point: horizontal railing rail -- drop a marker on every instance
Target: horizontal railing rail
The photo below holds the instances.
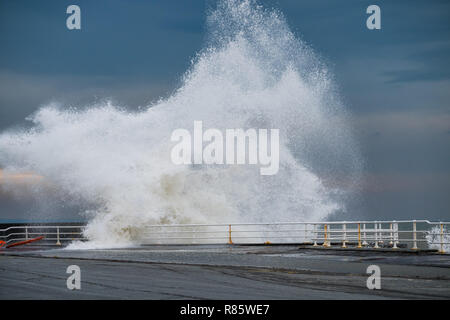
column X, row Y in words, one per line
column 52, row 234
column 411, row 234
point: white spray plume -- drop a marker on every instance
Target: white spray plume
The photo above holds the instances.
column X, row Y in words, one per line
column 253, row 73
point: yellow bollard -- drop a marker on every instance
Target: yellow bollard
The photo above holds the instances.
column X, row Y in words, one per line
column 442, row 239
column 325, row 242
column 229, row 235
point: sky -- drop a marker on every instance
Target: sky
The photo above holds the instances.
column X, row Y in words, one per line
column 395, row 81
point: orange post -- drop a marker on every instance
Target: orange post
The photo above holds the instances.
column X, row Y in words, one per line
column 325, row 242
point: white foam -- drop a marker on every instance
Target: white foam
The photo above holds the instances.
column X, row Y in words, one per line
column 433, row 238
column 252, row 73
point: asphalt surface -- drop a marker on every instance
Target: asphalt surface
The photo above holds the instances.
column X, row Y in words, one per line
column 222, row 272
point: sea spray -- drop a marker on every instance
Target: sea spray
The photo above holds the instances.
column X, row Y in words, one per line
column 252, row 73
column 435, row 236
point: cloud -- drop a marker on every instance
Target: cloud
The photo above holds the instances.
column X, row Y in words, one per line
column 412, row 122
column 426, row 63
column 404, row 183
column 19, row 178
column 430, row 64
column 418, row 74
column 23, row 94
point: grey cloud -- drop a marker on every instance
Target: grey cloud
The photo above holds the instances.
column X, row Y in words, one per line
column 23, row 94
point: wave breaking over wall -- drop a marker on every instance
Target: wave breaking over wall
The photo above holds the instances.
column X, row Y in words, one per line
column 252, row 73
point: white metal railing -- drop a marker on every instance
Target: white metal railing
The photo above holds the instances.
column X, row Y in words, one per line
column 412, row 234
column 53, row 234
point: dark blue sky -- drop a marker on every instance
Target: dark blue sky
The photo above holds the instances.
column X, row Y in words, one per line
column 395, row 81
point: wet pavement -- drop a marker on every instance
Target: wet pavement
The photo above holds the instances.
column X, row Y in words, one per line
column 222, row 272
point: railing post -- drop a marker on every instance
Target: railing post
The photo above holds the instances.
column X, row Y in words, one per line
column 364, row 235
column 375, row 225
column 305, row 234
column 325, row 242
column 391, row 235
column 229, row 235
column 329, row 235
column 26, row 233
column 380, row 233
column 359, row 235
column 442, row 239
column 395, row 235
column 315, row 235
column 58, row 243
column 414, row 235
column 344, row 227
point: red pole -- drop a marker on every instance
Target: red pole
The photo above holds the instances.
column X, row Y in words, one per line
column 25, row 242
